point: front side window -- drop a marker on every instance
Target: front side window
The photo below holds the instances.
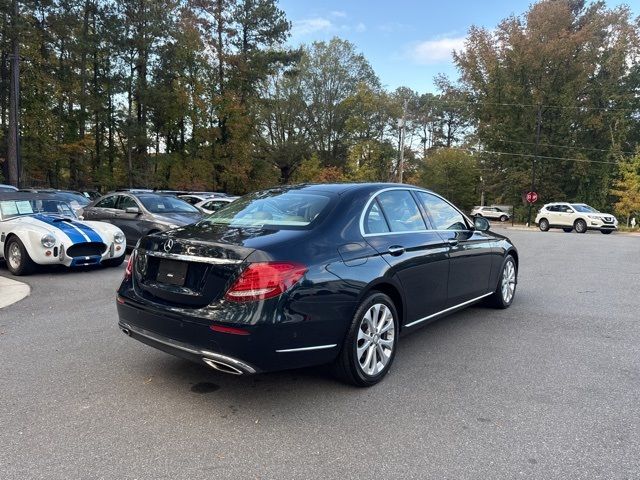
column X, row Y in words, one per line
column 108, row 202
column 279, row 208
column 125, row 202
column 443, row 215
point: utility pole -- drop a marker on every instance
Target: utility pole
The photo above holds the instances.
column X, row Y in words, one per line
column 533, row 160
column 13, row 148
column 401, row 146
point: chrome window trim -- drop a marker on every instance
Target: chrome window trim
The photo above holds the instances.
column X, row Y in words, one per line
column 409, row 189
column 192, row 258
column 306, row 349
column 433, row 315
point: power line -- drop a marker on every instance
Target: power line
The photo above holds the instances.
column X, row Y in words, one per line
column 531, row 105
column 566, row 146
column 529, row 155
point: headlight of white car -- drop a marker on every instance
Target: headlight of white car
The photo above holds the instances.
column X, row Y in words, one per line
column 595, row 217
column 173, row 226
column 48, row 240
column 118, row 237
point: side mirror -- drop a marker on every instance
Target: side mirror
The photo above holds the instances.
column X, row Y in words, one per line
column 481, row 224
column 135, row 210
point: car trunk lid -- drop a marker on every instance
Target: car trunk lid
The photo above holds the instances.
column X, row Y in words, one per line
column 177, row 270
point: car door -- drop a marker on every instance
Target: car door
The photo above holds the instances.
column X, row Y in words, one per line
column 566, row 215
column 470, row 251
column 103, row 211
column 128, row 222
column 395, row 227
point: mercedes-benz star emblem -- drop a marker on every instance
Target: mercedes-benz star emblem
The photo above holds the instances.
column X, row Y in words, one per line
column 168, row 245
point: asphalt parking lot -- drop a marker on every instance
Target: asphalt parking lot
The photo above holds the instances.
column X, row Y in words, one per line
column 549, row 388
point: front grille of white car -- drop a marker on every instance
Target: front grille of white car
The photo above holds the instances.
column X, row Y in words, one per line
column 607, row 219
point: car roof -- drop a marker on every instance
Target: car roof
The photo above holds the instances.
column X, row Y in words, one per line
column 340, row 188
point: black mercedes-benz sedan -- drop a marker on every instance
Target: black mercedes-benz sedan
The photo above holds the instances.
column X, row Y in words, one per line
column 312, row 274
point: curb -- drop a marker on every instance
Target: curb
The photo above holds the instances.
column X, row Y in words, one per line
column 12, row 291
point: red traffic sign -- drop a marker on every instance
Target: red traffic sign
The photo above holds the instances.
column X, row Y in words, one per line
column 532, row 197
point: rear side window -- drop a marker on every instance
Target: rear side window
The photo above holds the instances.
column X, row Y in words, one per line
column 109, row 202
column 443, row 215
column 374, row 221
column 401, row 211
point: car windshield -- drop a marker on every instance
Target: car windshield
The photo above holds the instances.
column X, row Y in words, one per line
column 275, row 208
column 166, row 204
column 582, row 208
column 18, row 208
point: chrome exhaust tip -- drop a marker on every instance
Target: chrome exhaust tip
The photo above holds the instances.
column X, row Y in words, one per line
column 126, row 331
column 222, row 367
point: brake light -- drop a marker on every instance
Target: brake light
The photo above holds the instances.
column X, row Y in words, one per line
column 129, row 268
column 260, row 281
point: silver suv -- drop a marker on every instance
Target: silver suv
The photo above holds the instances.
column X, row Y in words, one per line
column 578, row 216
column 492, row 213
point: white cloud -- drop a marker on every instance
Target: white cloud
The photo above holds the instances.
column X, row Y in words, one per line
column 435, row 51
column 338, row 13
column 311, row 25
column 360, row 27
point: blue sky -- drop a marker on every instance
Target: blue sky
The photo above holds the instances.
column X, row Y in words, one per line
column 408, row 42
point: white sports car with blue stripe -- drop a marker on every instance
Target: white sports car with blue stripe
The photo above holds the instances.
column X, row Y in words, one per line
column 41, row 229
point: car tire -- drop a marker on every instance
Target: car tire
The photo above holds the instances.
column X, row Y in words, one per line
column 504, row 293
column 543, row 225
column 567, row 230
column 17, row 258
column 580, row 226
column 365, row 359
column 606, row 232
column 114, row 262
column 504, row 218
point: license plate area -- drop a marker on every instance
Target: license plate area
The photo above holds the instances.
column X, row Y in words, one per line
column 172, row 272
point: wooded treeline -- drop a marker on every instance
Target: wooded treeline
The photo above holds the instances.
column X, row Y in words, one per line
column 207, row 94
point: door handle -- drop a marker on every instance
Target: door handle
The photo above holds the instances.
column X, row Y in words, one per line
column 396, row 250
column 452, row 242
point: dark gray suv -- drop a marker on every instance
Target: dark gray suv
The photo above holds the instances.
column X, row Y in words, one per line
column 139, row 214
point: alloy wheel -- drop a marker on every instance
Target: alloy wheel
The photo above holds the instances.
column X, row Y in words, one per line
column 376, row 339
column 15, row 256
column 508, row 281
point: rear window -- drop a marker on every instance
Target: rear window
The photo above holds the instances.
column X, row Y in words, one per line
column 275, row 208
column 166, row 204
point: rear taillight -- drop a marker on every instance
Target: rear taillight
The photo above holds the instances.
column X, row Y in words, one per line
column 260, row 281
column 129, row 268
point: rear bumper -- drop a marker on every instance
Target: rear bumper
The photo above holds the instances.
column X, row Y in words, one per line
column 265, row 347
column 219, row 362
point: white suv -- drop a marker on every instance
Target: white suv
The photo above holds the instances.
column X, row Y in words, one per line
column 493, row 213
column 578, row 216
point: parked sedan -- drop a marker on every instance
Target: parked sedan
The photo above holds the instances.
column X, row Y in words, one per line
column 141, row 213
column 312, row 274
